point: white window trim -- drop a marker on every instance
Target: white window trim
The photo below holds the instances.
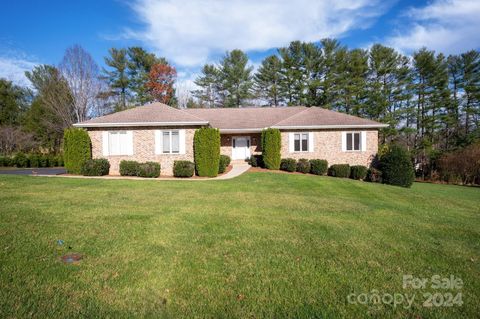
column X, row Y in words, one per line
column 291, row 142
column 106, row 135
column 159, row 142
column 363, row 141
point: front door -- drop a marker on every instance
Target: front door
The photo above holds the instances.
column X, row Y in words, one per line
column 240, row 148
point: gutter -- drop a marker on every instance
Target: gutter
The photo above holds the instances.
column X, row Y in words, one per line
column 297, row 127
column 133, row 124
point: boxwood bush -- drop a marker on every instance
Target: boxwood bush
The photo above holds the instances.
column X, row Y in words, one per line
column 374, row 175
column 21, row 160
column 129, row 168
column 223, row 163
column 95, row 167
column 397, row 167
column 206, row 147
column 183, row 168
column 76, row 148
column 256, row 161
column 271, row 145
column 358, row 172
column 303, row 166
column 34, row 160
column 318, row 167
column 288, row 164
column 339, row 170
column 149, row 169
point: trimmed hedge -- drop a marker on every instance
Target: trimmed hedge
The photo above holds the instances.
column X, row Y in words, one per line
column 271, row 146
column 256, row 161
column 149, row 169
column 339, row 170
column 318, row 167
column 207, row 151
column 303, row 166
column 374, row 175
column 396, row 166
column 129, row 168
column 21, row 160
column 183, row 168
column 95, row 167
column 288, row 164
column 358, row 172
column 76, row 148
column 223, row 163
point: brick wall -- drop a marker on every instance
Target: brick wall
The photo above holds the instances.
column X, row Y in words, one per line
column 328, row 145
column 143, row 148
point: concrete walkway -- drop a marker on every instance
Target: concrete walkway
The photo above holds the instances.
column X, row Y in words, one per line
column 237, row 170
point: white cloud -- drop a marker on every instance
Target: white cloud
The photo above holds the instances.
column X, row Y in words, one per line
column 13, row 69
column 448, row 26
column 189, row 32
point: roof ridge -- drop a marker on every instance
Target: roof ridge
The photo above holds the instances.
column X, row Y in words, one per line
column 284, row 119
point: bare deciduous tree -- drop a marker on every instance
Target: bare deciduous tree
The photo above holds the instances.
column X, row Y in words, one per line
column 82, row 75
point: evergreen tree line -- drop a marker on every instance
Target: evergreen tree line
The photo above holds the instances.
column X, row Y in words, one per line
column 430, row 101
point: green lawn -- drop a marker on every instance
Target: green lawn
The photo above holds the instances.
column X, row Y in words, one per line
column 261, row 245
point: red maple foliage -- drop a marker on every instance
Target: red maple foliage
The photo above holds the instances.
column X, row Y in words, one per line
column 160, row 82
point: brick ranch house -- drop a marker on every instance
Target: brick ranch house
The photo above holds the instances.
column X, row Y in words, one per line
column 157, row 132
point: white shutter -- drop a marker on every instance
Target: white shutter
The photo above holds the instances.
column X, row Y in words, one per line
column 344, row 141
column 181, row 138
column 363, row 141
column 310, row 142
column 158, row 142
column 291, row 142
column 105, row 143
column 129, row 138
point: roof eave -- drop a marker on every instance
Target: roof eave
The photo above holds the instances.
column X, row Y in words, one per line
column 241, row 130
column 298, row 127
column 133, row 124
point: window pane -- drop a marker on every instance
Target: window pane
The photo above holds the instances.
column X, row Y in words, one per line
column 349, row 141
column 122, row 143
column 297, row 143
column 356, row 141
column 166, row 142
column 304, row 142
column 175, row 142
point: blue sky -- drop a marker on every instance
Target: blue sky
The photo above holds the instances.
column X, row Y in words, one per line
column 190, row 33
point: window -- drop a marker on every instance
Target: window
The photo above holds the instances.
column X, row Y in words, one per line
column 300, row 142
column 170, row 142
column 353, row 142
column 119, row 143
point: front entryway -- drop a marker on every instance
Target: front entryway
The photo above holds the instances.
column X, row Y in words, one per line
column 240, row 147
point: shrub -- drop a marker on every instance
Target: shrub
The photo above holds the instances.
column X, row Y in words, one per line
column 358, row 172
column 339, row 170
column 397, row 168
column 223, row 163
column 52, row 160
column 129, row 168
column 21, row 160
column 149, row 169
column 303, row 166
column 271, row 145
column 207, row 151
column 95, row 167
column 34, row 160
column 6, row 161
column 60, row 160
column 374, row 175
column 288, row 164
column 256, row 161
column 44, row 161
column 461, row 166
column 77, row 149
column 318, row 167
column 183, row 168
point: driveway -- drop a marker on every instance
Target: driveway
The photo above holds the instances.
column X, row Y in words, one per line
column 33, row 171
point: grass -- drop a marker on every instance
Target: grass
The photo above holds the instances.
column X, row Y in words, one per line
column 261, row 245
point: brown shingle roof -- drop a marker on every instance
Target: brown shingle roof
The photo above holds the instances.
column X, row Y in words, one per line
column 231, row 119
column 150, row 114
